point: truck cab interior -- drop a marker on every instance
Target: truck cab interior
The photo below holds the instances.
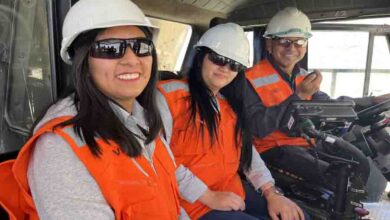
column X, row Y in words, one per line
column 351, row 43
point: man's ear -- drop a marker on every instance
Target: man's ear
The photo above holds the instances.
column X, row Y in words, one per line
column 268, row 45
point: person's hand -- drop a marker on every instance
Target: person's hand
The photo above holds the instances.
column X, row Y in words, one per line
column 282, row 208
column 381, row 98
column 310, row 85
column 222, row 201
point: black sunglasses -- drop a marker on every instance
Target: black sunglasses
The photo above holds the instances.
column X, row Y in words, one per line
column 287, row 42
column 222, row 61
column 116, row 48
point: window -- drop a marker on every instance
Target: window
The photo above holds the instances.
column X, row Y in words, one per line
column 172, row 43
column 25, row 60
column 341, row 57
column 380, row 68
column 249, row 35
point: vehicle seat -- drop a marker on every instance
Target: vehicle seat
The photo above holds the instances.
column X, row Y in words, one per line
column 166, row 75
column 3, row 213
column 190, row 55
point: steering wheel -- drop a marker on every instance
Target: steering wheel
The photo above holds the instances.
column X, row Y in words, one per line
column 373, row 111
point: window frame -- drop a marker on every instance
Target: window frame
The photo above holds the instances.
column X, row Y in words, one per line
column 372, row 30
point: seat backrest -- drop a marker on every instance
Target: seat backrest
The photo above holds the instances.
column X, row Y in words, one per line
column 165, row 75
column 259, row 48
column 190, row 55
column 8, row 156
column 3, row 213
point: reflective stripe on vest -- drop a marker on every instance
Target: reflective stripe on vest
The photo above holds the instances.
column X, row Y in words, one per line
column 172, row 86
column 215, row 163
column 80, row 143
column 273, row 90
column 266, row 80
column 130, row 193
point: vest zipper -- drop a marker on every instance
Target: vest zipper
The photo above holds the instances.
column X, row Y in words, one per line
column 141, row 169
column 149, row 158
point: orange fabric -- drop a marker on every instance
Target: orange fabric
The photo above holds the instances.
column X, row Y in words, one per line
column 11, row 197
column 272, row 92
column 216, row 164
column 130, row 193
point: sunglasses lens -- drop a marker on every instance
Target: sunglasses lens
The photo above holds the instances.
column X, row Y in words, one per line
column 107, row 49
column 235, row 66
column 300, row 42
column 217, row 59
column 141, row 47
column 115, row 48
column 286, row 42
column 222, row 61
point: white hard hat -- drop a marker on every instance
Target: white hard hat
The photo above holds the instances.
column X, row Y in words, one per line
column 228, row 40
column 87, row 15
column 289, row 22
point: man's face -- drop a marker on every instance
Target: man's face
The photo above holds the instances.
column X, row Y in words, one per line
column 287, row 51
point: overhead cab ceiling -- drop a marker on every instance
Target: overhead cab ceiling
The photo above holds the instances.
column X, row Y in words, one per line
column 258, row 12
column 175, row 10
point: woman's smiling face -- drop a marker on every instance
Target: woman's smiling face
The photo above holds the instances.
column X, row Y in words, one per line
column 125, row 78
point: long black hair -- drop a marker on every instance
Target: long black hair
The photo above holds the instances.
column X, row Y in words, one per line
column 94, row 117
column 235, row 94
column 202, row 103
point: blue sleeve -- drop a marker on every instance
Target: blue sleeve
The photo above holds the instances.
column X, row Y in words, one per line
column 264, row 120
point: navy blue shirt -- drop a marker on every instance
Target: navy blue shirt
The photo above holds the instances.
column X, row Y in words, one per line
column 262, row 120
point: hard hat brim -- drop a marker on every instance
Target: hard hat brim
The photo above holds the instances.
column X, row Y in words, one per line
column 301, row 35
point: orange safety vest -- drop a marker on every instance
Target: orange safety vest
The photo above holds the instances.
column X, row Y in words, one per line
column 272, row 90
column 132, row 192
column 216, row 164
